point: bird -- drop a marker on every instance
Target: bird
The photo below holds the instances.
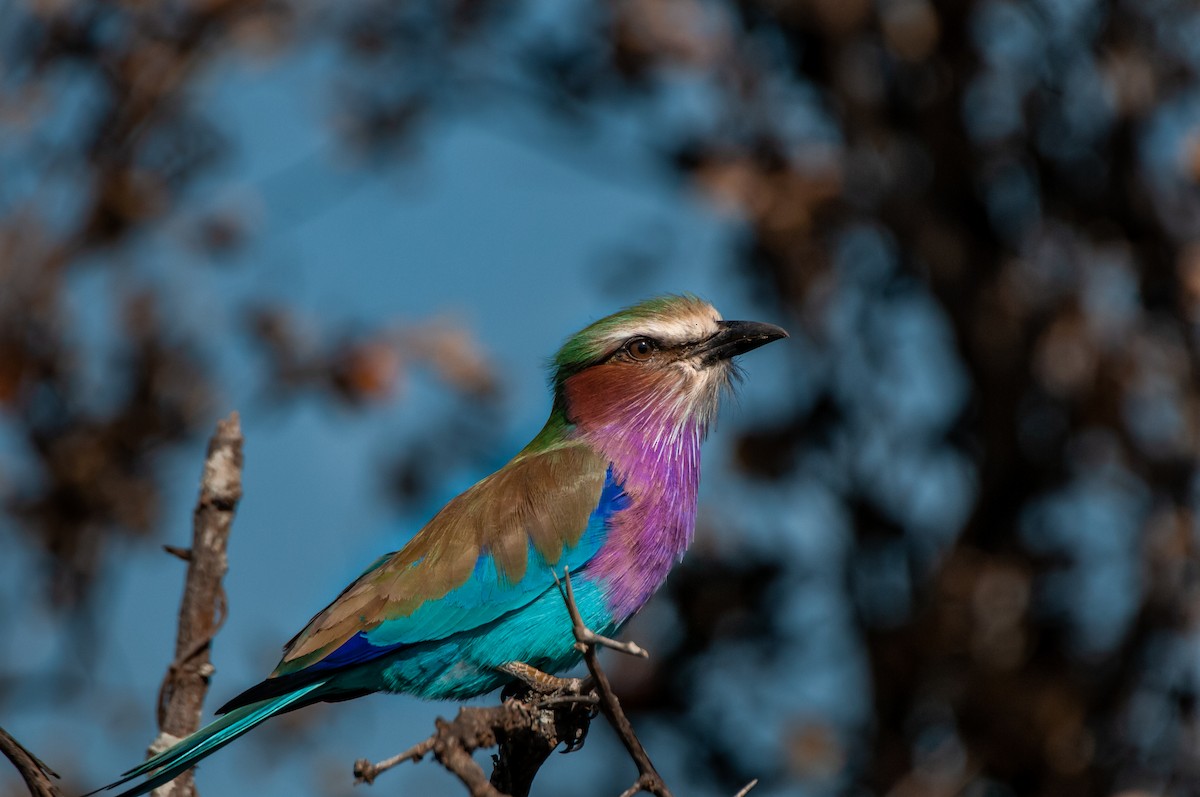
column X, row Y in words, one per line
column 607, row 490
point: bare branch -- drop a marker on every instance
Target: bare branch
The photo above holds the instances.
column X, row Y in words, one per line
column 525, row 731
column 648, row 778
column 366, row 772
column 593, row 639
column 746, row 789
column 203, row 610
column 37, row 776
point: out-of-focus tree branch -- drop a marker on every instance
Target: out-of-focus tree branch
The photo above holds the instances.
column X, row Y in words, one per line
column 37, row 776
column 203, row 610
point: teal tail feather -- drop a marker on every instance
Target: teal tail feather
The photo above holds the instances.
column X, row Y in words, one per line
column 184, row 754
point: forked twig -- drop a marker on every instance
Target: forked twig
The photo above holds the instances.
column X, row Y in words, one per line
column 587, row 641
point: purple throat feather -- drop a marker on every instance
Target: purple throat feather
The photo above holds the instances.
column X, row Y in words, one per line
column 651, row 429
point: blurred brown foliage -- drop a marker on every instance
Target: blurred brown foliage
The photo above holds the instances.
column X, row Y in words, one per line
column 88, row 188
column 1023, row 173
column 1010, row 154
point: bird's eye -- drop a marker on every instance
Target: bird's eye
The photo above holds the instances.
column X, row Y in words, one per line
column 640, row 349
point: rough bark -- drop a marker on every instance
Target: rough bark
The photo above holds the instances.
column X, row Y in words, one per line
column 203, row 610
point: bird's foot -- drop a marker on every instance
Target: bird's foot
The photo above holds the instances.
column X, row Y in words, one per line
column 543, row 683
column 545, row 691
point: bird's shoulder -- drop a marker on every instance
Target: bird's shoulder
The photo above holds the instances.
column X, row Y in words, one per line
column 540, row 499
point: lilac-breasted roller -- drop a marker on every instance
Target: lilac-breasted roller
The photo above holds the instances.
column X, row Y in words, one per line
column 607, row 489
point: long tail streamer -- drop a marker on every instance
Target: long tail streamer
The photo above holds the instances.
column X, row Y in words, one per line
column 185, row 753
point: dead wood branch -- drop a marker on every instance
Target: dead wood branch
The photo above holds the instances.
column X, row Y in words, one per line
column 203, row 610
column 37, row 776
column 526, row 728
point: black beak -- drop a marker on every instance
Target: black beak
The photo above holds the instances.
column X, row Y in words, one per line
column 737, row 337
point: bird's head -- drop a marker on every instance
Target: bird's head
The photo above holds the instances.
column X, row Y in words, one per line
column 656, row 367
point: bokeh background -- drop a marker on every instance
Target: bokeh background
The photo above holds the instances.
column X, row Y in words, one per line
column 948, row 535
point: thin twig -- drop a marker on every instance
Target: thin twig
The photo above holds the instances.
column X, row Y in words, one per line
column 648, row 778
column 451, row 744
column 585, row 636
column 590, row 699
column 37, row 776
column 180, row 553
column 594, row 639
column 746, row 789
column 203, row 609
column 366, row 772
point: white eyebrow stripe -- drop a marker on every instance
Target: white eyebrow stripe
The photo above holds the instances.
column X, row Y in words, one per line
column 670, row 331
